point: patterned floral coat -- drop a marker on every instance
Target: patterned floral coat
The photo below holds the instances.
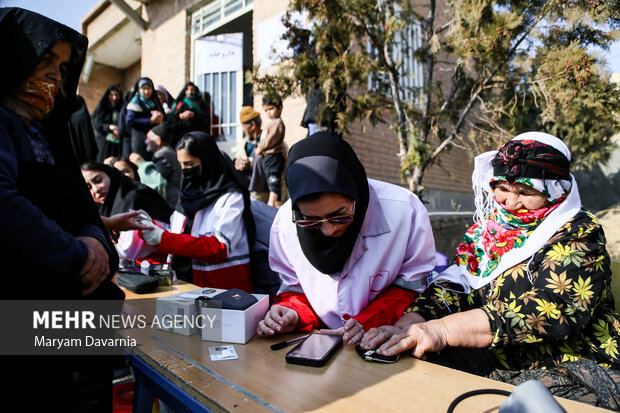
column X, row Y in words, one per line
column 565, row 312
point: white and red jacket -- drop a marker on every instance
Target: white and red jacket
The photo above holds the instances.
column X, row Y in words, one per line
column 389, row 264
column 217, row 244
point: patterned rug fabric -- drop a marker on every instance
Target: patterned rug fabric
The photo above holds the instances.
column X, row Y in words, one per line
column 582, row 380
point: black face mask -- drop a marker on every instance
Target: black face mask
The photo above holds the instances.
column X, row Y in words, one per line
column 191, row 177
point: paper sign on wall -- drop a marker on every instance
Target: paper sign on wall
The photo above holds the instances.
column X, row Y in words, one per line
column 270, row 48
column 219, row 53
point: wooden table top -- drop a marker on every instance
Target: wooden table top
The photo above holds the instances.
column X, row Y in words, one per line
column 261, row 380
column 177, row 287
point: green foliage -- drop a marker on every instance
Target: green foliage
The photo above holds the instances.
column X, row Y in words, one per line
column 512, row 66
column 272, row 84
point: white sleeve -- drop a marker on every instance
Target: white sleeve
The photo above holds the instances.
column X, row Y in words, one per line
column 278, row 259
column 420, row 255
column 229, row 228
column 132, row 247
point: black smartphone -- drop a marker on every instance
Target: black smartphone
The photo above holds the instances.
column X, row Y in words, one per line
column 371, row 355
column 314, row 351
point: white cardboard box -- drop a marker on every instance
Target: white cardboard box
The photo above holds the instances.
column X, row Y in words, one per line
column 178, row 313
column 234, row 326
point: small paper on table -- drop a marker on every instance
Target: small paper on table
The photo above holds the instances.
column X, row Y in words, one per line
column 218, row 353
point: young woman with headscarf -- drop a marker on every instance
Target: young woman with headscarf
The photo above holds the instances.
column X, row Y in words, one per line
column 212, row 229
column 116, row 194
column 164, row 98
column 189, row 113
column 143, row 112
column 53, row 245
column 351, row 252
column 530, row 282
column 106, row 118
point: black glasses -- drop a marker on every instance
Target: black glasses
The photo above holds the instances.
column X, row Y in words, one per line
column 316, row 223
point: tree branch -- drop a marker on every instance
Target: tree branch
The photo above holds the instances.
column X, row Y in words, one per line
column 472, row 99
column 430, row 62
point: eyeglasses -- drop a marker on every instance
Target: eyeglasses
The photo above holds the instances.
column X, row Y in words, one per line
column 316, row 223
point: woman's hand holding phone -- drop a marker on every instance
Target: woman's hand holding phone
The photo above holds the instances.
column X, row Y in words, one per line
column 279, row 319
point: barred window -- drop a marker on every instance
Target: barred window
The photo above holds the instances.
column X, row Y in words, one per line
column 410, row 69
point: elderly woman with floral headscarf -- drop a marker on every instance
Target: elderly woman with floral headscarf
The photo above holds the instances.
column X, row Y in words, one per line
column 530, row 282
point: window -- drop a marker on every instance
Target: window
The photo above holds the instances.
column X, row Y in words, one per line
column 410, row 69
column 223, row 90
column 217, row 13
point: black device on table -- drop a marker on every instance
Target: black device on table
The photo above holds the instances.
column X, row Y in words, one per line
column 315, row 350
column 371, row 355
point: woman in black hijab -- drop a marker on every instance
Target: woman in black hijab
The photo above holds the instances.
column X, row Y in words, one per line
column 350, row 251
column 106, row 118
column 44, row 202
column 144, row 111
column 116, row 193
column 212, row 202
column 189, row 113
column 53, row 245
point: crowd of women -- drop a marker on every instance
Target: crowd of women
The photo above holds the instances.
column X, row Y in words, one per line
column 122, row 123
column 201, row 222
column 527, row 295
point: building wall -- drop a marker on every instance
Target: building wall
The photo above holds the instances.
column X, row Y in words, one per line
column 293, row 107
column 100, row 78
column 165, row 48
column 265, row 9
column 130, row 75
column 166, row 58
column 96, row 27
column 448, row 182
column 109, row 17
column 103, row 76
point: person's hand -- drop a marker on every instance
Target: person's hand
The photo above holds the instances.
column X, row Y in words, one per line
column 377, row 336
column 156, row 117
column 278, row 319
column 136, row 158
column 96, row 268
column 186, row 115
column 114, row 130
column 144, row 216
column 109, row 160
column 153, row 236
column 422, row 338
column 242, row 164
column 257, row 152
column 351, row 332
column 126, row 222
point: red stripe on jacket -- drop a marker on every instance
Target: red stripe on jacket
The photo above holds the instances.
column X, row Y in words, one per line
column 386, row 309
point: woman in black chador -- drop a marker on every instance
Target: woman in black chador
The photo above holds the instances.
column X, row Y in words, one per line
column 106, row 119
column 53, row 244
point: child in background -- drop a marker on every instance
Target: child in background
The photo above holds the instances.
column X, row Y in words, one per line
column 271, row 146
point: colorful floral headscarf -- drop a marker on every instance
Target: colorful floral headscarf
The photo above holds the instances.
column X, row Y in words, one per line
column 502, row 238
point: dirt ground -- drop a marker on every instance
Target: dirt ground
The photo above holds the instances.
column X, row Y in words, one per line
column 610, row 220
